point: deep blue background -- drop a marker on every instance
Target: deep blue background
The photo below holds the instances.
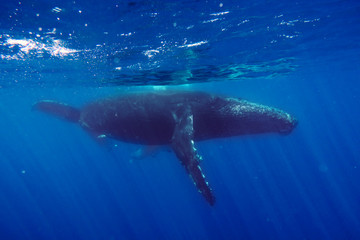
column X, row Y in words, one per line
column 56, row 182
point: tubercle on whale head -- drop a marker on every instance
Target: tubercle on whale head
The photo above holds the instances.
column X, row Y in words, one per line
column 263, row 119
column 280, row 121
column 288, row 124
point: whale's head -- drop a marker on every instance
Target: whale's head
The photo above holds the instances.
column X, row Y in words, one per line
column 253, row 118
column 282, row 122
column 268, row 119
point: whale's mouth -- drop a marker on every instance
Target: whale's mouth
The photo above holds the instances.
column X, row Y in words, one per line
column 290, row 125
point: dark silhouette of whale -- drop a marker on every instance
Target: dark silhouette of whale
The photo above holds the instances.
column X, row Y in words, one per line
column 175, row 118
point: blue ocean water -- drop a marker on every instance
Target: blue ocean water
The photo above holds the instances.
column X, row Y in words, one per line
column 56, row 182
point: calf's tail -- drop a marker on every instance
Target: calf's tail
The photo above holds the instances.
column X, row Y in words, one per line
column 60, row 110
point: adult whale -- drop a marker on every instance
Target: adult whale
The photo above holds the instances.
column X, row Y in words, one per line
column 174, row 118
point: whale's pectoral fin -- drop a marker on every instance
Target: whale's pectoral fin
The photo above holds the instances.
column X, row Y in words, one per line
column 183, row 146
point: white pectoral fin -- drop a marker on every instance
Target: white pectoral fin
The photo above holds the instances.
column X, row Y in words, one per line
column 183, row 146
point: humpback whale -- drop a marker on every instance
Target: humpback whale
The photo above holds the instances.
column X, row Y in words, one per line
column 177, row 119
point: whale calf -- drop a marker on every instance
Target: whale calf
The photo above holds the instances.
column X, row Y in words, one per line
column 177, row 119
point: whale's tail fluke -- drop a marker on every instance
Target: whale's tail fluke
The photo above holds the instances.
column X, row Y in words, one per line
column 57, row 109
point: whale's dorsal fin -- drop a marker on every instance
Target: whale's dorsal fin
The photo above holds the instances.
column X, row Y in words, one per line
column 183, row 146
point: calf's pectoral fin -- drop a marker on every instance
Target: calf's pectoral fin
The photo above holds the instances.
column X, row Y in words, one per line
column 183, row 146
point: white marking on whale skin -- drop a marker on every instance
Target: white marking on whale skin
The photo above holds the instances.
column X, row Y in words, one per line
column 238, row 110
column 245, row 107
column 242, row 106
column 84, row 124
column 174, row 116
